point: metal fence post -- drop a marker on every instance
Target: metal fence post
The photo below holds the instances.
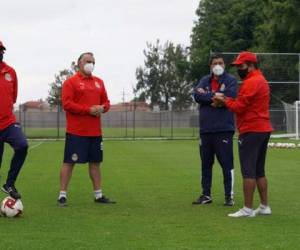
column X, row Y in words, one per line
column 172, row 122
column 160, row 123
column 58, row 120
column 133, row 118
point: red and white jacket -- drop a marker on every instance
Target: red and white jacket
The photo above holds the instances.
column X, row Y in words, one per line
column 79, row 93
column 8, row 95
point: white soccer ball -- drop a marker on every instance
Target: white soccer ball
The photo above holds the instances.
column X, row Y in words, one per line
column 11, row 207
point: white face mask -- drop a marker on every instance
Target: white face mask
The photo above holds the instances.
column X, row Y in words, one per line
column 218, row 70
column 88, row 68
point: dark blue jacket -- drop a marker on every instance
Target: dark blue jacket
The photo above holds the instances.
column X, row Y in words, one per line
column 212, row 119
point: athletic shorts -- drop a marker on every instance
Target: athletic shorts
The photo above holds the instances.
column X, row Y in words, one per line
column 252, row 152
column 83, row 149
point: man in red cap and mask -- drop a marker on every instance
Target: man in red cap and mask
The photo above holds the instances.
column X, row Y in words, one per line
column 253, row 122
column 10, row 131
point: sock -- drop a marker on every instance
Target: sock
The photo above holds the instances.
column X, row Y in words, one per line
column 263, row 206
column 248, row 210
column 62, row 194
column 98, row 193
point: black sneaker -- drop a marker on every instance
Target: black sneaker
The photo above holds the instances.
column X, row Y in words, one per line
column 203, row 199
column 105, row 200
column 12, row 191
column 228, row 202
column 62, row 201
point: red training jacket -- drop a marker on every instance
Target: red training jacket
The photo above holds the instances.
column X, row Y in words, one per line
column 79, row 93
column 8, row 95
column 252, row 104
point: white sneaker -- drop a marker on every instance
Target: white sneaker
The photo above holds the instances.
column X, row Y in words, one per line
column 242, row 213
column 265, row 210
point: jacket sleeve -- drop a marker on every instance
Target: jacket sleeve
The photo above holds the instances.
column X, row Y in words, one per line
column 231, row 90
column 104, row 100
column 15, row 87
column 202, row 98
column 68, row 102
column 244, row 99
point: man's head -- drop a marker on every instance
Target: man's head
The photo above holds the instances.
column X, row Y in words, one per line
column 2, row 49
column 245, row 62
column 216, row 64
column 86, row 62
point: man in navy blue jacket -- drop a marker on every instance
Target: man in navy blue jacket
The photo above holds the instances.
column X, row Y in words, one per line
column 216, row 129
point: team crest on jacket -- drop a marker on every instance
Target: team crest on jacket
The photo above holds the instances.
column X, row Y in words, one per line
column 8, row 77
column 97, row 85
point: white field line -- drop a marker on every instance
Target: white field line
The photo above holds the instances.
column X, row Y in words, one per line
column 35, row 146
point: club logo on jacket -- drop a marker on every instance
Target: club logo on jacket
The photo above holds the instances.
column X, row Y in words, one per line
column 97, row 85
column 8, row 77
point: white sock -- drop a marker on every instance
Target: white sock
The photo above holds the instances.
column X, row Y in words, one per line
column 62, row 194
column 248, row 210
column 263, row 206
column 98, row 193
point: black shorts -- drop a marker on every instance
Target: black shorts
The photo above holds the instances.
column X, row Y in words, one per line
column 83, row 149
column 252, row 152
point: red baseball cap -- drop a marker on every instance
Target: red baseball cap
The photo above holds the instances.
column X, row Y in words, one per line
column 2, row 46
column 245, row 56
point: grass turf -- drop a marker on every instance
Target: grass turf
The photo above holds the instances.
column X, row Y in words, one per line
column 118, row 132
column 154, row 183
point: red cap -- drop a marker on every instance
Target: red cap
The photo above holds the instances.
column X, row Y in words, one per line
column 243, row 57
column 2, row 46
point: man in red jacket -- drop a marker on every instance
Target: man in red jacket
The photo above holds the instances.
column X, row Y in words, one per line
column 84, row 99
column 253, row 122
column 10, row 130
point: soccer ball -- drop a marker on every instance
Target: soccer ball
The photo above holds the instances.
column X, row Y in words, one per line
column 11, row 207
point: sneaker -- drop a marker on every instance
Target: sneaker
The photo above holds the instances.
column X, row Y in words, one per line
column 203, row 199
column 62, row 201
column 242, row 213
column 105, row 200
column 263, row 210
column 12, row 191
column 229, row 202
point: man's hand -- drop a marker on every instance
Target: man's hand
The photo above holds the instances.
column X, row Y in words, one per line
column 96, row 110
column 218, row 100
column 200, row 90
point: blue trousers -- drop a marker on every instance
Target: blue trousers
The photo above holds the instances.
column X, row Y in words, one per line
column 14, row 136
column 219, row 145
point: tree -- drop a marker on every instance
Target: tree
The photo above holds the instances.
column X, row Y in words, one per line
column 163, row 79
column 281, row 30
column 223, row 25
column 54, row 97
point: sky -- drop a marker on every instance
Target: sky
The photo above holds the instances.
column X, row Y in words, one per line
column 44, row 37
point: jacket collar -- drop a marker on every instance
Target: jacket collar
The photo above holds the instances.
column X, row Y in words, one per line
column 4, row 67
column 221, row 79
column 81, row 76
column 252, row 73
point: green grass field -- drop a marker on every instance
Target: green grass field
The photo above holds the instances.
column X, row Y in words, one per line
column 119, row 132
column 154, row 183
